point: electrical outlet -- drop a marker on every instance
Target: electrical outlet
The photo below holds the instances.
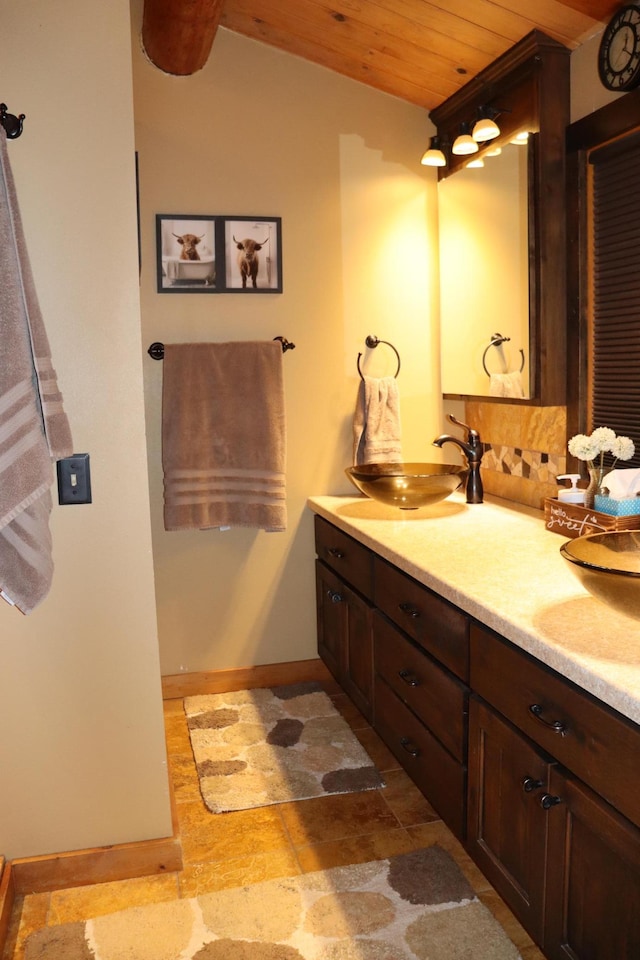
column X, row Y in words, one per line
column 74, row 479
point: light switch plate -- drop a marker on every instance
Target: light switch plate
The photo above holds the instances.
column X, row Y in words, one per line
column 74, row 479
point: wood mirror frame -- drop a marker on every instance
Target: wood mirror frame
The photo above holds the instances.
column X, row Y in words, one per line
column 529, row 85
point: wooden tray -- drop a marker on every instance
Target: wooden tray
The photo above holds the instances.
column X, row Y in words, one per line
column 573, row 520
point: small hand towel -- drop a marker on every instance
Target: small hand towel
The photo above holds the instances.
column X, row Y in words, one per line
column 376, row 422
column 34, row 430
column 506, row 385
column 223, row 436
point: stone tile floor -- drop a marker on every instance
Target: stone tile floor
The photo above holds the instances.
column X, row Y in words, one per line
column 244, row 847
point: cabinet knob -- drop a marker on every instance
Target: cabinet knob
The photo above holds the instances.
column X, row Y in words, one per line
column 547, row 800
column 335, row 553
column 334, row 596
column 409, row 678
column 557, row 726
column 529, row 784
column 409, row 609
column 410, row 747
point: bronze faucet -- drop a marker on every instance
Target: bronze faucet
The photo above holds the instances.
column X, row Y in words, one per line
column 472, row 449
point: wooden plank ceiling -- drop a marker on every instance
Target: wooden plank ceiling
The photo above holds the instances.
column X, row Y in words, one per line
column 419, row 50
column 422, row 51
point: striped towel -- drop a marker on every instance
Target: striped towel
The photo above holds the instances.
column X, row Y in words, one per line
column 34, row 430
column 223, row 436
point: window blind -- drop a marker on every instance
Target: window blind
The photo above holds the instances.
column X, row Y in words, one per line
column 614, row 321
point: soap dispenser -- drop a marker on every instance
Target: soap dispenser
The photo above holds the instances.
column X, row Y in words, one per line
column 572, row 494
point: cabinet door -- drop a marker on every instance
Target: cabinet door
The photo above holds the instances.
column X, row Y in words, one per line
column 345, row 638
column 593, row 886
column 506, row 830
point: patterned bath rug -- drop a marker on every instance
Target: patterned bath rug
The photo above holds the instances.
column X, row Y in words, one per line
column 257, row 747
column 416, row 906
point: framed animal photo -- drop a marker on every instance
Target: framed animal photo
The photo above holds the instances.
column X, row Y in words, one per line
column 253, row 254
column 187, row 247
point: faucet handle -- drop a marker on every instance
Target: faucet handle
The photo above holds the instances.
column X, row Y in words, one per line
column 473, row 435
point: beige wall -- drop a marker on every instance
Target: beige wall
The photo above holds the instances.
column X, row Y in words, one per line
column 82, row 755
column 261, row 132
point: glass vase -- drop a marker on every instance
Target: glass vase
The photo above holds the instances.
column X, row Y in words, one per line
column 596, row 474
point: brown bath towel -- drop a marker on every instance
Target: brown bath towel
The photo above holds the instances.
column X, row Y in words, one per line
column 223, row 436
column 34, row 430
column 376, row 422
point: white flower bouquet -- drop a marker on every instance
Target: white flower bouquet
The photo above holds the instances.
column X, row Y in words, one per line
column 592, row 449
column 601, row 441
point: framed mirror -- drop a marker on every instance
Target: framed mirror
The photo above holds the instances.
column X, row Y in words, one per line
column 483, row 216
column 514, row 321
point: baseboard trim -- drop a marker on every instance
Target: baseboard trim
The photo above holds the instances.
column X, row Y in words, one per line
column 178, row 685
column 99, row 865
column 7, row 899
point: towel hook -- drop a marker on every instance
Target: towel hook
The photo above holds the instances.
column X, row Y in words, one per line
column 156, row 350
column 373, row 342
column 11, row 123
column 496, row 341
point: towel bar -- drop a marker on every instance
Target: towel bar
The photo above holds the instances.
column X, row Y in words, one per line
column 373, row 342
column 156, row 350
column 11, row 123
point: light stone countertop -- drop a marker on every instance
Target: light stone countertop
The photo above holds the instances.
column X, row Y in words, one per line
column 497, row 562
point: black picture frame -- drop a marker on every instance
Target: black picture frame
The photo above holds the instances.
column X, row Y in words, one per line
column 213, row 253
column 252, row 254
column 186, row 253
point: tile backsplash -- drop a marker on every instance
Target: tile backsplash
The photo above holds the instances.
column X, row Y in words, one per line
column 525, row 449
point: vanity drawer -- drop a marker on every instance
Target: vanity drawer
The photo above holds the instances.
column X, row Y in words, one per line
column 436, row 625
column 598, row 745
column 352, row 561
column 432, row 769
column 435, row 696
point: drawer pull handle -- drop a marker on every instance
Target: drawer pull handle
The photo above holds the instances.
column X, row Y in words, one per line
column 529, row 784
column 335, row 553
column 557, row 726
column 410, row 747
column 334, row 596
column 409, row 609
column 547, row 801
column 409, row 678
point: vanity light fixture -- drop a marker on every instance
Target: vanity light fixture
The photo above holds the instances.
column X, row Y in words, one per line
column 520, row 138
column 434, row 154
column 464, row 142
column 485, row 127
column 494, row 152
column 477, row 162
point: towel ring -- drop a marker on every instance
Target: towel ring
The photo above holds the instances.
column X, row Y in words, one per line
column 373, row 342
column 496, row 341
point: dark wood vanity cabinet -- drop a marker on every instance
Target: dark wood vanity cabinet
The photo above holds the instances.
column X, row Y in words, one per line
column 540, row 780
column 402, row 653
column 343, row 586
column 541, row 755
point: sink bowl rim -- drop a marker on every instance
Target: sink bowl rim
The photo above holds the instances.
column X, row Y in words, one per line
column 401, row 468
column 584, row 564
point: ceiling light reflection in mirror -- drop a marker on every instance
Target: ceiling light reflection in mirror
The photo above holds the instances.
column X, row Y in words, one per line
column 484, row 276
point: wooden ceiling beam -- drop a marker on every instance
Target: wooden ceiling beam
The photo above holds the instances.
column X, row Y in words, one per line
column 177, row 35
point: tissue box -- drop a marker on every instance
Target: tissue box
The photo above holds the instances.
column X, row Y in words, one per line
column 627, row 507
column 573, row 520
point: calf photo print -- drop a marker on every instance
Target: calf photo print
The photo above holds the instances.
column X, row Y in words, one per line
column 253, row 255
column 218, row 254
column 186, row 257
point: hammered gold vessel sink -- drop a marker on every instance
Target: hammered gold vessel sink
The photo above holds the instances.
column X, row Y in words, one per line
column 407, row 485
column 608, row 566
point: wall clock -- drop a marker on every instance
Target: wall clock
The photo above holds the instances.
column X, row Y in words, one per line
column 619, row 53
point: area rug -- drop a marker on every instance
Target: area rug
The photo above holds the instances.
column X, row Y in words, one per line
column 416, row 906
column 257, row 747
